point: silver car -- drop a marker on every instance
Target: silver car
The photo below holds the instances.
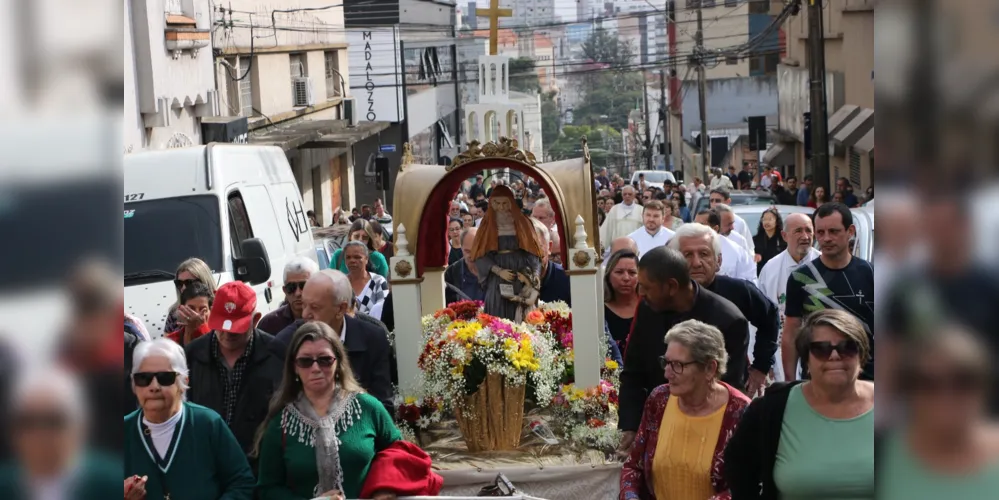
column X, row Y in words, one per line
column 863, row 219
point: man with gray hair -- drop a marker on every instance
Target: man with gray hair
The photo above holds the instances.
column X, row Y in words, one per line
column 296, row 272
column 700, row 245
column 463, row 275
column 623, row 218
column 734, row 260
column 326, row 297
column 544, row 212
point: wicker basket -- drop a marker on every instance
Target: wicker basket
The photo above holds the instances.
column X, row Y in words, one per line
column 492, row 418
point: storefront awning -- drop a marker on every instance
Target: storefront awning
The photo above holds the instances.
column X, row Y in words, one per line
column 312, row 134
column 780, row 153
column 857, row 127
column 865, row 144
column 841, row 117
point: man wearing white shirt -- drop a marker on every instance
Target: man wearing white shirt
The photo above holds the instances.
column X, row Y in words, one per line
column 653, row 233
column 735, row 262
column 728, row 219
column 723, row 197
column 799, row 234
column 623, row 218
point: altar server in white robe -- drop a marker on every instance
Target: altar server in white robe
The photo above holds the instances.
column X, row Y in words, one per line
column 721, row 196
column 799, row 234
column 652, row 234
column 735, row 262
column 623, row 218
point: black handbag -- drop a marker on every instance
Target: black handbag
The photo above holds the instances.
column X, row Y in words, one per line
column 501, row 487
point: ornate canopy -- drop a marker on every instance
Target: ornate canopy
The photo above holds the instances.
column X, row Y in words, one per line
column 425, row 190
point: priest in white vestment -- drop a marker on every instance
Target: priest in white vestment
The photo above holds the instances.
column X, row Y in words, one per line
column 652, row 234
column 722, row 197
column 735, row 262
column 799, row 234
column 623, row 218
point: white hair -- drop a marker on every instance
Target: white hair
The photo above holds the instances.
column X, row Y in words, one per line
column 543, row 232
column 545, row 204
column 167, row 348
column 62, row 387
column 299, row 265
column 628, row 187
column 723, row 208
column 342, row 291
column 705, row 343
column 696, row 230
column 553, row 237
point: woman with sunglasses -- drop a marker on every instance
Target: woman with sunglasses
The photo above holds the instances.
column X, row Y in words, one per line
column 322, row 431
column 813, row 439
column 175, row 449
column 190, row 271
column 947, row 447
column 686, row 423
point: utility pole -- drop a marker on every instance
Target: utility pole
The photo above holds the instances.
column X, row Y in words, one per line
column 664, row 119
column 702, row 104
column 648, row 128
column 817, row 98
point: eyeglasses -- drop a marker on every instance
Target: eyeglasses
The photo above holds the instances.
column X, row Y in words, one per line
column 293, row 286
column 823, row 350
column 324, row 362
column 676, row 366
column 165, row 379
column 184, row 283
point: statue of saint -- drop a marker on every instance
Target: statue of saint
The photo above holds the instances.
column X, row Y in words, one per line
column 506, row 245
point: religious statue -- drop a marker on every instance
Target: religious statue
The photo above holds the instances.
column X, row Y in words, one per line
column 527, row 300
column 506, row 245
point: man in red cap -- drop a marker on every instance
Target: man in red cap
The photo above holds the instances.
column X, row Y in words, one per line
column 233, row 370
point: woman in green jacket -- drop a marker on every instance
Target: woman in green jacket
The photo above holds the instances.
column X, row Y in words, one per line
column 322, row 432
column 362, row 231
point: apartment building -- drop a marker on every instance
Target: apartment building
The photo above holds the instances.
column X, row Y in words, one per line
column 849, row 37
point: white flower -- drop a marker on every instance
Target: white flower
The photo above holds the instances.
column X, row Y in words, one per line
column 423, row 422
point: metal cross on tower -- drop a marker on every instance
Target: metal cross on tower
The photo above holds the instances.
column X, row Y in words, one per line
column 494, row 13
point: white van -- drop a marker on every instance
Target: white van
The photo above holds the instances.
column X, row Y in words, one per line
column 236, row 207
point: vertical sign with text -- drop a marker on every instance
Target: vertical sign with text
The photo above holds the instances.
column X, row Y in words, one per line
column 375, row 73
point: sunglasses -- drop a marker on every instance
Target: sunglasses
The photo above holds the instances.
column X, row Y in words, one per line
column 823, row 350
column 42, row 421
column 165, row 379
column 957, row 382
column 324, row 362
column 184, row 283
column 293, row 286
column 676, row 366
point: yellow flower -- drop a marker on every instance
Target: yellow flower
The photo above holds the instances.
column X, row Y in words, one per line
column 410, row 400
column 610, row 364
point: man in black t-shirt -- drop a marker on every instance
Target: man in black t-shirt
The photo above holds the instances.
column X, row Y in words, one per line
column 836, row 280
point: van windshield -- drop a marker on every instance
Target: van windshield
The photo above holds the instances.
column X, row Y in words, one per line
column 160, row 234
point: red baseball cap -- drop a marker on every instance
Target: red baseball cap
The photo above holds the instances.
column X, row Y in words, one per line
column 234, row 307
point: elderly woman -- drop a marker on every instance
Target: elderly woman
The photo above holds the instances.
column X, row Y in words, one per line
column 811, row 440
column 686, row 423
column 49, row 429
column 947, row 447
column 175, row 449
column 322, row 430
column 190, row 271
column 362, row 231
column 370, row 289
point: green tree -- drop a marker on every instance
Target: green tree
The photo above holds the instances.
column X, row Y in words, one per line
column 609, row 97
column 549, row 118
column 601, row 139
column 603, row 48
column 524, row 76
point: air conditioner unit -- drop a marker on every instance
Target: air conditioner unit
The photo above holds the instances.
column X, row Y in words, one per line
column 302, row 91
column 350, row 112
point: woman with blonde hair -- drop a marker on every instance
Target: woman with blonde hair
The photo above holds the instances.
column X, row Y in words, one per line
column 811, row 440
column 322, row 431
column 190, row 271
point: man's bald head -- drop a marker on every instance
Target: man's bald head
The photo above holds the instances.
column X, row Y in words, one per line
column 628, row 188
column 623, row 243
column 799, row 234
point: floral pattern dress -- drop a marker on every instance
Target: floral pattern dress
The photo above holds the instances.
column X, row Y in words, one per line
column 636, row 480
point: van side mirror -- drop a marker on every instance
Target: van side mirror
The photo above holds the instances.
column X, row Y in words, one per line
column 253, row 267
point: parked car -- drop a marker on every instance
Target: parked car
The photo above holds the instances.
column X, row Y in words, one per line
column 739, row 197
column 657, row 178
column 863, row 219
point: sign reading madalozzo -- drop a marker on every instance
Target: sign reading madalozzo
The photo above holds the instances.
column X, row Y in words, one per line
column 375, row 73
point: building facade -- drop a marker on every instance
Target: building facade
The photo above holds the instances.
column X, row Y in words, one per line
column 849, row 36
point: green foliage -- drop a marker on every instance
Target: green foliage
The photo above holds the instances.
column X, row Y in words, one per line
column 524, row 76
column 601, row 139
column 549, row 118
column 609, row 97
column 604, row 48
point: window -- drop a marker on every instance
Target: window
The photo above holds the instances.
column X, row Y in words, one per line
column 758, row 6
column 692, row 4
column 192, row 222
column 731, row 3
column 297, row 65
column 332, row 74
column 245, row 87
column 854, row 168
column 755, row 65
column 707, row 4
column 239, row 223
column 770, row 62
column 731, row 60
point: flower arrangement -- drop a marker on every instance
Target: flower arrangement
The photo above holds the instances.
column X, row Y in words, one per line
column 413, row 416
column 462, row 345
column 582, row 415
